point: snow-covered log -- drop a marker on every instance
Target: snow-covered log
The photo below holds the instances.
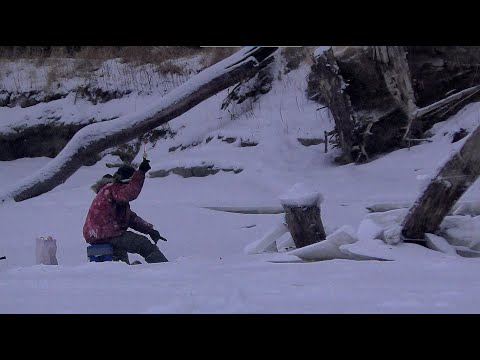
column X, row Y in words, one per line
column 302, row 215
column 451, row 181
column 98, row 137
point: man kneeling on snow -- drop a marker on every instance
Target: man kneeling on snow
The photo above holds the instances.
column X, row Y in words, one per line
column 110, row 216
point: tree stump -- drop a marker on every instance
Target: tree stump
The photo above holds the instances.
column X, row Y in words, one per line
column 302, row 215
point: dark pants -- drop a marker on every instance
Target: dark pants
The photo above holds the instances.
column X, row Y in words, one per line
column 131, row 242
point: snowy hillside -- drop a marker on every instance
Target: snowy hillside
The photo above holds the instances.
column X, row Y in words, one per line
column 76, row 97
column 256, row 148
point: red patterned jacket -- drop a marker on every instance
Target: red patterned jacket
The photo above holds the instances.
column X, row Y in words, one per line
column 110, row 215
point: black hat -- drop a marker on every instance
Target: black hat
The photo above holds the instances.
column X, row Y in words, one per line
column 125, row 172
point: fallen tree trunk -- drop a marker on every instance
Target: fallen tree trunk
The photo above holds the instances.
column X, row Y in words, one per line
column 95, row 138
column 451, row 181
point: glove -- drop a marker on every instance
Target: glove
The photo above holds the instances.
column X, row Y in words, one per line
column 155, row 235
column 145, row 165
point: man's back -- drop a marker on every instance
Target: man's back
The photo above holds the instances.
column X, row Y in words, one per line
column 109, row 212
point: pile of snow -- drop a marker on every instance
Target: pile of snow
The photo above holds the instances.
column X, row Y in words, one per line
column 300, row 195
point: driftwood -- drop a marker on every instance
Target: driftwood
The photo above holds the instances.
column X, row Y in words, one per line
column 451, row 181
column 93, row 139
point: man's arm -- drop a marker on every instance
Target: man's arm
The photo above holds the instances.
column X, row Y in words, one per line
column 137, row 223
column 130, row 190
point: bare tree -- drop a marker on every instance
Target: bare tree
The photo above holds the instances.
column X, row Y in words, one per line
column 95, row 138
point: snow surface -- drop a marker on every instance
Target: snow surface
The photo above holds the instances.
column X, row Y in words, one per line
column 209, row 271
column 300, row 195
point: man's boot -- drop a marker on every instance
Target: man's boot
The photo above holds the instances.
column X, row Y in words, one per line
column 155, row 256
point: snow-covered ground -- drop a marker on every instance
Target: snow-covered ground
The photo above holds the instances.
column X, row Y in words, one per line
column 139, row 85
column 209, row 270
